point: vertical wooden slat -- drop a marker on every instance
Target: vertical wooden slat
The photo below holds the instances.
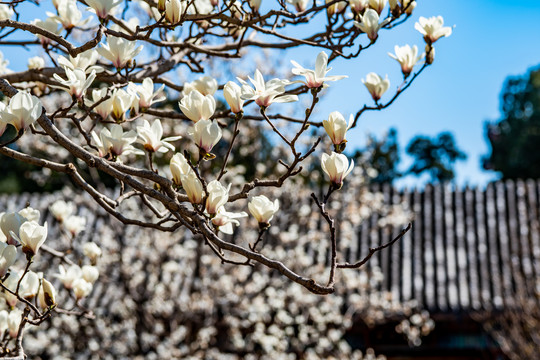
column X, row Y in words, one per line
column 429, row 252
column 462, row 253
column 492, row 291
column 482, row 249
column 440, row 248
column 407, row 255
column 419, row 264
column 451, row 261
column 533, row 210
column 506, row 222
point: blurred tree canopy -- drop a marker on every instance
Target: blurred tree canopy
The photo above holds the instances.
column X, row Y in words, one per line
column 435, row 156
column 515, row 139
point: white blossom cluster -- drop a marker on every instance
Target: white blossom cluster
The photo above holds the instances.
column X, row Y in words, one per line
column 179, row 301
column 120, row 91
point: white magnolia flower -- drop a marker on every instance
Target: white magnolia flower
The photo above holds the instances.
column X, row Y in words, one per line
column 22, row 111
column 266, row 93
column 217, row 196
column 105, row 107
column 69, row 276
column 202, row 7
column 50, row 25
column 179, row 166
column 432, row 28
column 206, row 85
column 6, row 12
column 90, row 273
column 29, row 285
column 263, row 209
column 407, row 57
column 409, row 6
column 335, row 8
column 13, row 322
column 336, row 127
column 336, row 166
column 31, row 236
column 358, row 6
column 225, row 220
column 3, row 64
column 370, row 24
column 115, row 142
column 46, row 295
column 119, row 51
column 174, row 9
column 316, row 78
column 299, row 5
column 36, row 62
column 8, row 255
column 68, row 14
column 193, row 187
column 197, row 106
column 81, row 288
column 129, row 26
column 233, row 95
column 121, row 102
column 85, row 61
column 150, row 137
column 11, row 283
column 102, row 8
column 3, row 320
column 376, row 85
column 76, row 83
column 74, row 224
column 92, row 251
column 11, row 223
column 255, row 4
column 378, row 5
column 145, row 94
column 3, row 124
column 206, row 134
column 30, row 214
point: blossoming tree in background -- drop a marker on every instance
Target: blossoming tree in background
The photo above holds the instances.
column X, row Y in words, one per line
column 104, row 99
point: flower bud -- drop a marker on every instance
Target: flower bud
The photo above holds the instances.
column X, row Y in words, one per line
column 193, row 187
column 179, row 166
column 47, row 294
column 92, row 251
column 81, row 288
column 336, row 127
column 336, row 166
column 90, row 273
column 206, row 134
column 376, row 85
column 232, row 93
column 61, row 210
column 13, row 322
column 263, row 209
column 217, row 196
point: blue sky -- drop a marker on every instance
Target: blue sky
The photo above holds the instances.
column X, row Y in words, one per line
column 491, row 40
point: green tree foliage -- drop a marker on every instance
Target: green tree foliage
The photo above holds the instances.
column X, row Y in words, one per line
column 381, row 155
column 515, row 139
column 435, row 156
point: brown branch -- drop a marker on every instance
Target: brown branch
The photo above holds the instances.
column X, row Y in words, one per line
column 372, row 251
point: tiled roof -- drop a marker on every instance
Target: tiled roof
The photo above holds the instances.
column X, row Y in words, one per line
column 468, row 248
